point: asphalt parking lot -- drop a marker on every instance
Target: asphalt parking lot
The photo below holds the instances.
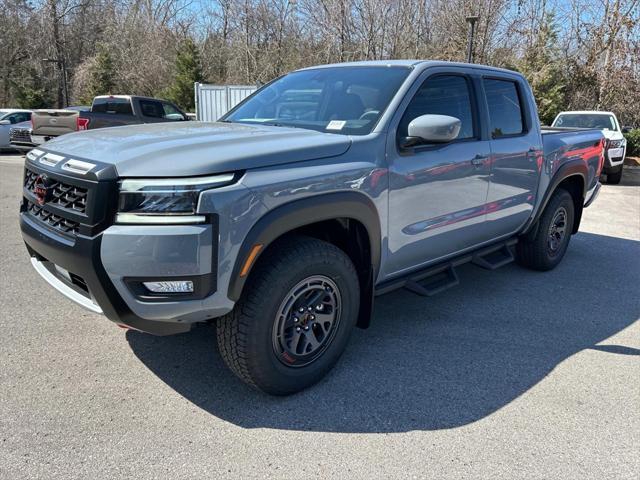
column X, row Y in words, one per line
column 512, row 374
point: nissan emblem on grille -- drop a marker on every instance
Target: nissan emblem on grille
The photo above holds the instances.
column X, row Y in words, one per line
column 42, row 189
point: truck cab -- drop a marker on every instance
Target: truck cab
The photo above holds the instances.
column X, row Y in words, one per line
column 284, row 220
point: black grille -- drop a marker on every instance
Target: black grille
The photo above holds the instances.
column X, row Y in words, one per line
column 73, row 204
column 20, row 135
column 63, row 195
column 56, row 221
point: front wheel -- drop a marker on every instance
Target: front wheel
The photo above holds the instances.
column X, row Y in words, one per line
column 614, row 177
column 547, row 248
column 295, row 316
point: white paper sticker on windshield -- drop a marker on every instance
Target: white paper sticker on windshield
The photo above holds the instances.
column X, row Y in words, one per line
column 335, row 125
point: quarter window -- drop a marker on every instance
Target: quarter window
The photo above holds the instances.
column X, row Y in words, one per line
column 442, row 95
column 505, row 107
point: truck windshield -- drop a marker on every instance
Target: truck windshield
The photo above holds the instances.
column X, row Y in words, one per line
column 344, row 100
column 586, row 120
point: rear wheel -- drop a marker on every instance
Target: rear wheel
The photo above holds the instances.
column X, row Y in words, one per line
column 546, row 249
column 294, row 318
column 614, row 177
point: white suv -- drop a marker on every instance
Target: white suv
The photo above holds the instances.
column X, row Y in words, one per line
column 616, row 143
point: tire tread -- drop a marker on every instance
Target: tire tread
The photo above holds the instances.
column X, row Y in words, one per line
column 233, row 329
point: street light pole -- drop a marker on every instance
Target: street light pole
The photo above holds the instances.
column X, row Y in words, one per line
column 471, row 20
column 63, row 70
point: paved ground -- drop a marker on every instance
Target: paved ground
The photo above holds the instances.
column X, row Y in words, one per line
column 513, row 374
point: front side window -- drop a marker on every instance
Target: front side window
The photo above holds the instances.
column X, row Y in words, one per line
column 170, row 112
column 23, row 117
column 442, row 95
column 343, row 100
column 505, row 107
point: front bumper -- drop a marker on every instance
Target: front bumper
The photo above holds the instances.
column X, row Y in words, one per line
column 81, row 259
column 614, row 157
column 22, row 147
column 108, row 264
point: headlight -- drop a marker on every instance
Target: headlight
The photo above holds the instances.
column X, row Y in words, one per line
column 166, row 200
column 617, row 143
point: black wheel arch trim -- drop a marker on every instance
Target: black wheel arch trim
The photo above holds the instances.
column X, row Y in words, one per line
column 573, row 168
column 306, row 211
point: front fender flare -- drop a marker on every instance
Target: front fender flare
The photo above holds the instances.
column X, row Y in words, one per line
column 298, row 213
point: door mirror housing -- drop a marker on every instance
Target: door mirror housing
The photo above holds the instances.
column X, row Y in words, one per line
column 5, row 122
column 432, row 129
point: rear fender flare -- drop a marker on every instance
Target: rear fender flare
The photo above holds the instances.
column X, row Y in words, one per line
column 574, row 168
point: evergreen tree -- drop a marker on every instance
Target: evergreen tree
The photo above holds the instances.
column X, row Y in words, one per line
column 31, row 92
column 188, row 71
column 543, row 68
column 102, row 77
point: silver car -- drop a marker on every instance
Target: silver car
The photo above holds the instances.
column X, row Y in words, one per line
column 8, row 119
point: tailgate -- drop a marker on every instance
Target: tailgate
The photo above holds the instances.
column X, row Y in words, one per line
column 51, row 123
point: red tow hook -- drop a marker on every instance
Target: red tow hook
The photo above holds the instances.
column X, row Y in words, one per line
column 127, row 327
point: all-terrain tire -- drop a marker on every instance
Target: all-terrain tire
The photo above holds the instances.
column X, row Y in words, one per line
column 613, row 178
column 247, row 338
column 542, row 252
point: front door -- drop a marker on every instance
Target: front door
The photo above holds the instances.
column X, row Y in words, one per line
column 437, row 192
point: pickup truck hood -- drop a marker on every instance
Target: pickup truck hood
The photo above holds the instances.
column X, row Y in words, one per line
column 612, row 134
column 195, row 148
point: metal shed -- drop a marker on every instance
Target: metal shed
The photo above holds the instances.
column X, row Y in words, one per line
column 213, row 101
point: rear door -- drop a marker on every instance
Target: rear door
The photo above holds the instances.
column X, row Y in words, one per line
column 437, row 192
column 516, row 152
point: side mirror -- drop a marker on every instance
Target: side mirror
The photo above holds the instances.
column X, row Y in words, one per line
column 433, row 129
column 626, row 129
column 5, row 122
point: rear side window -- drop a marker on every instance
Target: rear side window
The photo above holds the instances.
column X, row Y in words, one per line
column 151, row 108
column 505, row 107
column 120, row 106
column 442, row 95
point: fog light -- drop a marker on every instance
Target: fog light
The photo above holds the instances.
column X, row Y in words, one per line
column 178, row 286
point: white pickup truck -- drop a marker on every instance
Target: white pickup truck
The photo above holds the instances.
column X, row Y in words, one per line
column 616, row 146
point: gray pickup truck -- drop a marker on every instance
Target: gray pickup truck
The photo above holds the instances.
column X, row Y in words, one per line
column 105, row 111
column 327, row 187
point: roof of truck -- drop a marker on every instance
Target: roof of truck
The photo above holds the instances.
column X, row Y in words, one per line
column 12, row 110
column 409, row 64
column 587, row 112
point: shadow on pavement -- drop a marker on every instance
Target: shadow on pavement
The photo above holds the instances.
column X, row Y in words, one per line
column 431, row 363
